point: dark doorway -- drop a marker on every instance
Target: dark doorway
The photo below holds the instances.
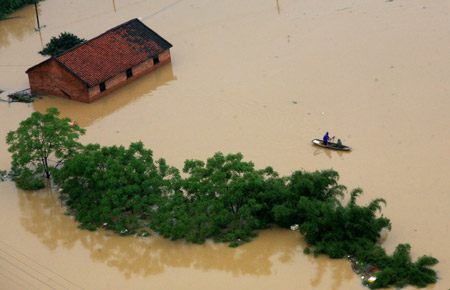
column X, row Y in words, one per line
column 156, row 60
column 129, row 73
column 102, row 87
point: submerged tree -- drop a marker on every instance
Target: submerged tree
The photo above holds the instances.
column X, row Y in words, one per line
column 115, row 186
column 317, row 186
column 400, row 271
column 42, row 142
column 60, row 44
column 220, row 200
column 227, row 199
column 338, row 230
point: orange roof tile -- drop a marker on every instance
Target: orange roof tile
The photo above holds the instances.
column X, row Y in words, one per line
column 113, row 52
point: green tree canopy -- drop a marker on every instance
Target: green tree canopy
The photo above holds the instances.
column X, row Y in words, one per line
column 115, row 185
column 220, row 199
column 42, row 142
column 318, row 186
column 400, row 271
column 227, row 199
column 60, row 44
column 335, row 229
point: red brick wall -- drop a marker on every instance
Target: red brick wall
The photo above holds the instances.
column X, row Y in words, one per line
column 53, row 79
column 121, row 79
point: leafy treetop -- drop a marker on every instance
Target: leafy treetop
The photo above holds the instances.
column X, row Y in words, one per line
column 60, row 44
column 115, row 185
column 219, row 199
column 43, row 141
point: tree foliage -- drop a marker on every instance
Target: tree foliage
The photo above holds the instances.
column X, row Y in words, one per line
column 115, row 186
column 338, row 230
column 227, row 199
column 220, row 199
column 42, row 142
column 316, row 186
column 60, row 44
column 335, row 229
column 400, row 271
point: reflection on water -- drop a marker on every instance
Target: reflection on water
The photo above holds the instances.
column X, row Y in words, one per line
column 278, row 8
column 114, row 5
column 19, row 24
column 43, row 217
column 240, row 68
column 340, row 271
column 86, row 114
column 328, row 152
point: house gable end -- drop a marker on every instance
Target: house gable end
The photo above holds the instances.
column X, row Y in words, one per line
column 52, row 78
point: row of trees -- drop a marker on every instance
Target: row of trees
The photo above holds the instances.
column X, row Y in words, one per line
column 224, row 198
column 8, row 6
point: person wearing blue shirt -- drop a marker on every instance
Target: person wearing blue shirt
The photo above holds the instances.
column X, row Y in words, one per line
column 325, row 139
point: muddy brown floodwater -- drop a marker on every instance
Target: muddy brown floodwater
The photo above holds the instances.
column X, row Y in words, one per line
column 259, row 77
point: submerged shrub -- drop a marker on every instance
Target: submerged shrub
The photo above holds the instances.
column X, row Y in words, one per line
column 27, row 180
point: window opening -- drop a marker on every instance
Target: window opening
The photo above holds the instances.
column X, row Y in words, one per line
column 129, row 73
column 156, row 60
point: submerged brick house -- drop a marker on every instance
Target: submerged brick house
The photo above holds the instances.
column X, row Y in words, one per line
column 96, row 67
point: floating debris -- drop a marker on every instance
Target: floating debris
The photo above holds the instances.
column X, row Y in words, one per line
column 363, row 270
column 24, row 96
column 3, row 175
column 142, row 233
column 372, row 279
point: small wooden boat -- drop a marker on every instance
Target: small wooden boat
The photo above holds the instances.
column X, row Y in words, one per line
column 331, row 145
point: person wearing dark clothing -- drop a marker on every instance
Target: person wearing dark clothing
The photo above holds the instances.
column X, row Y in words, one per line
column 325, row 139
column 339, row 143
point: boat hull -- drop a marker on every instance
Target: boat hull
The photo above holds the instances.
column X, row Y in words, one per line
column 331, row 145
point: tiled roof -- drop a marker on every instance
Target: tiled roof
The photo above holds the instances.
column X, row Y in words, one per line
column 113, row 52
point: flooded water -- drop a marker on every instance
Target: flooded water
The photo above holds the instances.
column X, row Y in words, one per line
column 259, row 77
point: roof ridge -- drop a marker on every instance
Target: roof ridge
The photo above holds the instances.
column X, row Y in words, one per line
column 100, row 35
column 112, row 52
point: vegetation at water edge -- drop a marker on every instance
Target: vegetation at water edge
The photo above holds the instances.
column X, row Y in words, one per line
column 42, row 143
column 224, row 198
column 8, row 6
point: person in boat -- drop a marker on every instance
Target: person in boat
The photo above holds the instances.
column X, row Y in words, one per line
column 325, row 139
column 339, row 144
